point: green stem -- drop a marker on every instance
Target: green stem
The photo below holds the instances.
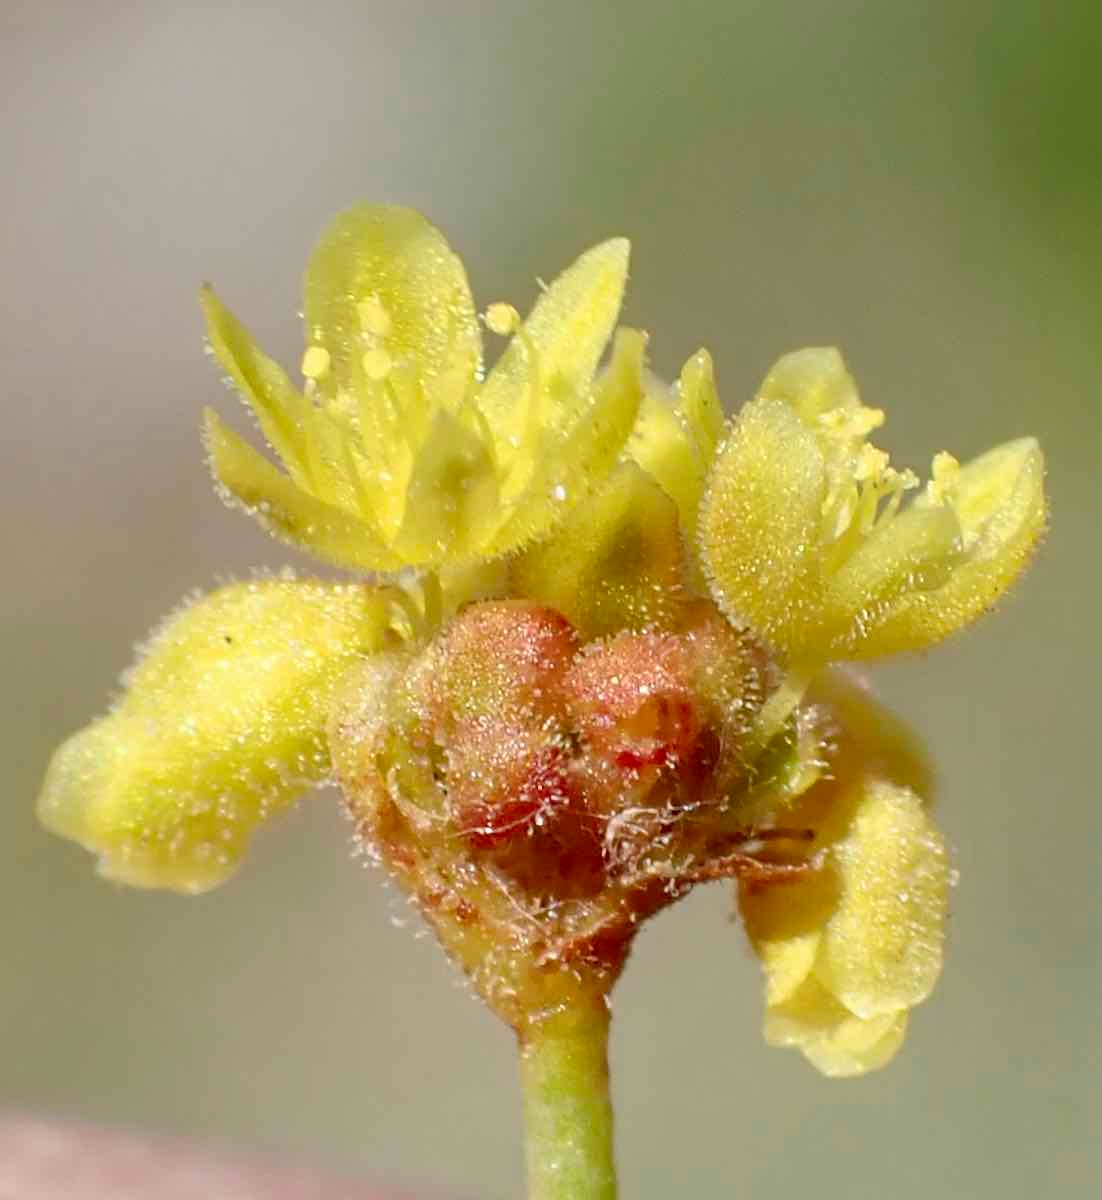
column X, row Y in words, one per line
column 567, row 1111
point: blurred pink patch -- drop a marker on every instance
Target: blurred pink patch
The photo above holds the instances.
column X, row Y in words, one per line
column 48, row 1160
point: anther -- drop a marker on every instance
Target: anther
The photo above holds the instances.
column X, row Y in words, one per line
column 315, row 362
column 872, row 464
column 502, row 319
column 943, row 478
column 856, row 422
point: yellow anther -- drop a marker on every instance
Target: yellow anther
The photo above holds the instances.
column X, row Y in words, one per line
column 376, row 364
column 315, row 362
column 904, row 480
column 871, row 465
column 944, row 474
column 865, row 420
column 851, row 423
column 374, row 316
column 502, row 319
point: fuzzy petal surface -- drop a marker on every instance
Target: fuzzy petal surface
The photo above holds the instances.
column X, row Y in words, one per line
column 759, row 523
column 222, row 723
column 382, row 277
column 1001, row 506
column 882, row 947
column 848, row 949
column 572, row 461
column 279, row 407
column 543, row 378
column 247, row 479
column 615, row 562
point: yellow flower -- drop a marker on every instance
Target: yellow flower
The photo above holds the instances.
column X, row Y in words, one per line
column 805, row 538
column 849, row 949
column 397, row 451
column 222, row 723
column 615, row 741
column 616, row 562
column 622, row 559
column 398, row 454
column 675, row 437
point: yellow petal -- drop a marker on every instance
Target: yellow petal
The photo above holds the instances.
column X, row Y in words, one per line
column 882, row 947
column 675, row 435
column 848, row 950
column 451, row 499
column 544, row 376
column 807, row 1011
column 284, row 510
column 914, row 552
column 834, row 1040
column 759, row 525
column 614, row 563
column 279, row 407
column 870, row 740
column 464, row 583
column 811, row 382
column 662, row 445
column 787, row 964
column 698, row 402
column 383, row 278
column 856, row 1047
column 1000, row 503
column 221, row 724
column 338, row 472
column 567, row 464
column 784, row 923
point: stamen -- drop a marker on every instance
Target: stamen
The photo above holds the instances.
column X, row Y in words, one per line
column 851, row 424
column 944, row 474
column 861, row 478
column 840, row 506
column 315, row 363
column 502, row 319
column 892, row 486
column 871, row 465
column 905, row 480
column 374, row 317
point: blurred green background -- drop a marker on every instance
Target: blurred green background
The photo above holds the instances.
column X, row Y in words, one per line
column 919, row 183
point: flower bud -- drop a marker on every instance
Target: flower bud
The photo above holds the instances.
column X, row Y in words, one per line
column 506, row 781
column 502, row 660
column 631, row 701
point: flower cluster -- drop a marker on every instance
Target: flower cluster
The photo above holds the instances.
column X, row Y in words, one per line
column 398, row 452
column 589, row 664
column 806, row 539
